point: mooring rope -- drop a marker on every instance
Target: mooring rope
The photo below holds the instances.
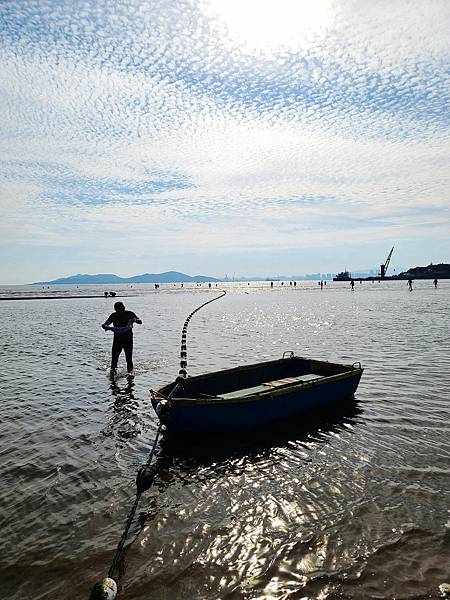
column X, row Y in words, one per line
column 144, row 480
column 107, row 589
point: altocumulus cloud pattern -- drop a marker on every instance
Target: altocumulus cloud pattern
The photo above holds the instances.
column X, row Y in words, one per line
column 192, row 129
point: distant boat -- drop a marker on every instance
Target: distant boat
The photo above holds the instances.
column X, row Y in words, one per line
column 343, row 276
column 254, row 395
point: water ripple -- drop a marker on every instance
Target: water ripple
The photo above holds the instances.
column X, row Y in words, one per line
column 352, row 507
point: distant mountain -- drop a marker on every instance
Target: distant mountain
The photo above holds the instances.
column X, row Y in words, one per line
column 108, row 278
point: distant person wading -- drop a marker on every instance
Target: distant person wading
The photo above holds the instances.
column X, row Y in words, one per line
column 122, row 321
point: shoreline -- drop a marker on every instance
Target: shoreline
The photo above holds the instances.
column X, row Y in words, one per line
column 63, row 297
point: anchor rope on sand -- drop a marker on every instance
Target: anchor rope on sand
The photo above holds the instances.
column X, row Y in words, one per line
column 107, row 589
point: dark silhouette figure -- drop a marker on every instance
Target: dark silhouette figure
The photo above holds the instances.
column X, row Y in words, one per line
column 435, row 283
column 352, row 283
column 410, row 284
column 123, row 340
column 321, row 285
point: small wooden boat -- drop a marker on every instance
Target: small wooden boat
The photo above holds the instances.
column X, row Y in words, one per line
column 254, row 395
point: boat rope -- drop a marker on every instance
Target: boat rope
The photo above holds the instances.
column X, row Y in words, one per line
column 107, row 588
column 144, row 480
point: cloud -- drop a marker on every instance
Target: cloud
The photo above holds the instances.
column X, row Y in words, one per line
column 123, row 119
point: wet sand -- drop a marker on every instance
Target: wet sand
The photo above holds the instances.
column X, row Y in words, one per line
column 61, row 297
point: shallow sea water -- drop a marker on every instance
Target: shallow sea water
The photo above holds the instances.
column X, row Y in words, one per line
column 353, row 507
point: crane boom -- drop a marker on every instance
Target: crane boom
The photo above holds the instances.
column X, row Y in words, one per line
column 388, row 260
column 386, row 264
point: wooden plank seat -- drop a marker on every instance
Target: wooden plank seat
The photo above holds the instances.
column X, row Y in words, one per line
column 265, row 387
column 257, row 389
column 293, row 380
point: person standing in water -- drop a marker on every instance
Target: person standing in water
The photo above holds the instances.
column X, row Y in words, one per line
column 435, row 283
column 410, row 284
column 352, row 283
column 122, row 321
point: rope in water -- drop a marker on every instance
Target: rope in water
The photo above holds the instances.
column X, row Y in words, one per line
column 107, row 589
column 183, row 351
column 144, row 480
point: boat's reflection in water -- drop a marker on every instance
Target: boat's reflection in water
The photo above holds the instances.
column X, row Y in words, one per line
column 255, row 494
column 205, row 449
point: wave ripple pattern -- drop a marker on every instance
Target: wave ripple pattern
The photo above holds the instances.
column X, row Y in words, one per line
column 353, row 508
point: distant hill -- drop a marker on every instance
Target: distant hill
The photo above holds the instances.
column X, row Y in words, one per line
column 439, row 271
column 108, row 278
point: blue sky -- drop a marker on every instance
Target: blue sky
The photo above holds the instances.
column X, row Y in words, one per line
column 223, row 136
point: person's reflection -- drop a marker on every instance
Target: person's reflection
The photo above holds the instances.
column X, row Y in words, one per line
column 122, row 393
column 124, row 421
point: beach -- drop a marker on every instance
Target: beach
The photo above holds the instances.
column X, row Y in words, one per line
column 356, row 508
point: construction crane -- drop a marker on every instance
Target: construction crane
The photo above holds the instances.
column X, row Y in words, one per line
column 386, row 264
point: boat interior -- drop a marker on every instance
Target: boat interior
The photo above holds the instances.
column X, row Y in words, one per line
column 254, row 379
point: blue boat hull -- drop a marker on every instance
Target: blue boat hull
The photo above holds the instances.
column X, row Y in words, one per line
column 259, row 408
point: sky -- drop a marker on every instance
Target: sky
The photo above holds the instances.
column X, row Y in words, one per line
column 238, row 137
